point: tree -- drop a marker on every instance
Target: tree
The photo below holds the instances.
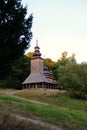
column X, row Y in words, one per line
column 72, row 77
column 20, row 70
column 50, row 64
column 30, row 54
column 15, row 33
column 64, row 58
column 68, row 76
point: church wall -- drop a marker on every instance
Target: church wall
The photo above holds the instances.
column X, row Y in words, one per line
column 36, row 65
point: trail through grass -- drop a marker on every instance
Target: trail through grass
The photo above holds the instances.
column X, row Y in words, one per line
column 61, row 110
column 54, row 98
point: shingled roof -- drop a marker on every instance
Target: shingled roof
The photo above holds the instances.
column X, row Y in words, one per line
column 35, row 78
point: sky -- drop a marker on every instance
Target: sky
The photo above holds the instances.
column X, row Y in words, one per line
column 59, row 25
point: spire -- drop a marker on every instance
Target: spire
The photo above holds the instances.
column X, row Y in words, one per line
column 36, row 41
column 36, row 50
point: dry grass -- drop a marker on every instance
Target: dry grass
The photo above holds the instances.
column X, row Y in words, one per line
column 37, row 92
column 8, row 91
column 10, row 122
column 32, row 92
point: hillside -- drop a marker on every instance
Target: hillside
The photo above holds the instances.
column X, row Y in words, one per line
column 41, row 109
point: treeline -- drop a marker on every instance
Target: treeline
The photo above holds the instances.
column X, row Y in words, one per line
column 70, row 75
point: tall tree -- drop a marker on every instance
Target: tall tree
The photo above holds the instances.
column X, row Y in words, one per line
column 15, row 33
column 20, row 70
column 64, row 59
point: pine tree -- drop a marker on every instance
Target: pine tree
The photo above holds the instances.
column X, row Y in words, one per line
column 15, row 33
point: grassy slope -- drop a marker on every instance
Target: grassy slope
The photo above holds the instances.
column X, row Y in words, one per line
column 11, row 122
column 61, row 110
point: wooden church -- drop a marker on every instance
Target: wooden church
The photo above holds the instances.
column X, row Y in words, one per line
column 40, row 76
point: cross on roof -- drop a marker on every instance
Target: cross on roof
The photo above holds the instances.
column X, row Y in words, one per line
column 36, row 42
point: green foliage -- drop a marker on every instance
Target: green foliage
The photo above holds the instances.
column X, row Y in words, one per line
column 72, row 77
column 15, row 33
column 20, row 70
column 64, row 59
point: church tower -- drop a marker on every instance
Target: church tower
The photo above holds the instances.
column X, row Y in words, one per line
column 39, row 77
column 36, row 61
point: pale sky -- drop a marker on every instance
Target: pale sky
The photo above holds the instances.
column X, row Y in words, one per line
column 59, row 25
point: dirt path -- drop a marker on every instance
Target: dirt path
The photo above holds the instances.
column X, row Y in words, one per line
column 13, row 92
column 8, row 91
column 36, row 120
column 39, row 122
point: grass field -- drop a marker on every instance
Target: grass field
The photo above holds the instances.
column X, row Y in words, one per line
column 46, row 105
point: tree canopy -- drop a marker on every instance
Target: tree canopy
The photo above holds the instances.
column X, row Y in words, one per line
column 50, row 64
column 64, row 59
column 15, row 33
column 71, row 76
column 30, row 54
